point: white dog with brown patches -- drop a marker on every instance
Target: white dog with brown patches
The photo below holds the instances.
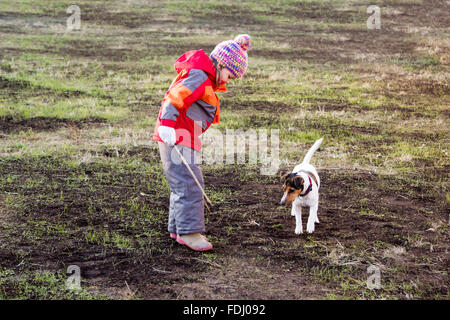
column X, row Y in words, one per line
column 301, row 188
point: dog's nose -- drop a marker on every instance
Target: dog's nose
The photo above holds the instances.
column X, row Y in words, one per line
column 282, row 202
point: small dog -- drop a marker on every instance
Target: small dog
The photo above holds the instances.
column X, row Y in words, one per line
column 301, row 188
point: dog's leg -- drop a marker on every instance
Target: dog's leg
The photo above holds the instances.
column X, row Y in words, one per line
column 298, row 219
column 316, row 215
column 293, row 210
column 311, row 219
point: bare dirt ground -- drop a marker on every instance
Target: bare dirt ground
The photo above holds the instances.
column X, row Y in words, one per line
column 256, row 254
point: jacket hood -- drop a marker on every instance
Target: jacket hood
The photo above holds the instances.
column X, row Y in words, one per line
column 198, row 59
column 195, row 59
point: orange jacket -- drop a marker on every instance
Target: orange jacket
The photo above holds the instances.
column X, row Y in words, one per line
column 190, row 105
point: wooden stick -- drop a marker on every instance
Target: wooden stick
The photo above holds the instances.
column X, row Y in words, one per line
column 193, row 176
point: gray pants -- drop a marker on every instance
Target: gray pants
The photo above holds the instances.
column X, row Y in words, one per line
column 186, row 213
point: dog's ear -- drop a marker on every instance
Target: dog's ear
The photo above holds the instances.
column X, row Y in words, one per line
column 298, row 182
column 284, row 176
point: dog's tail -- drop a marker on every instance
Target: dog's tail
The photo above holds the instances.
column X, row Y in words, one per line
column 311, row 151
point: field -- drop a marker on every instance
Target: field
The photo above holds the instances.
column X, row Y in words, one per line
column 81, row 182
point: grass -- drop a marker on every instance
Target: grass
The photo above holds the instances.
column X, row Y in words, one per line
column 81, row 179
column 40, row 285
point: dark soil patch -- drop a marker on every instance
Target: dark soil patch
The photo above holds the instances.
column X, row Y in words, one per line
column 107, row 53
column 348, row 44
column 104, row 50
column 95, row 212
column 13, row 84
column 248, row 228
column 226, row 15
column 424, row 87
column 19, row 89
column 9, row 124
column 259, row 105
column 131, row 15
column 127, row 19
column 144, row 153
column 407, row 112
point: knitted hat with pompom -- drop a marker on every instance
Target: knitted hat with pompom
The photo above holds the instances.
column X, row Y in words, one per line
column 232, row 54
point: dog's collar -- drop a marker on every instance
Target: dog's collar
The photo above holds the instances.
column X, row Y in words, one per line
column 309, row 188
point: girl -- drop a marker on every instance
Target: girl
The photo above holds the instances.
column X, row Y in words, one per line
column 189, row 107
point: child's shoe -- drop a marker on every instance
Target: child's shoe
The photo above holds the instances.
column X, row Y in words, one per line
column 195, row 241
column 173, row 235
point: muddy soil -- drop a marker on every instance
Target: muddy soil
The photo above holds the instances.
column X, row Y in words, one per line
column 9, row 125
column 256, row 253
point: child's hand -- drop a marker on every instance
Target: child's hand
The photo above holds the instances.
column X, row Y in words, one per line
column 167, row 135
